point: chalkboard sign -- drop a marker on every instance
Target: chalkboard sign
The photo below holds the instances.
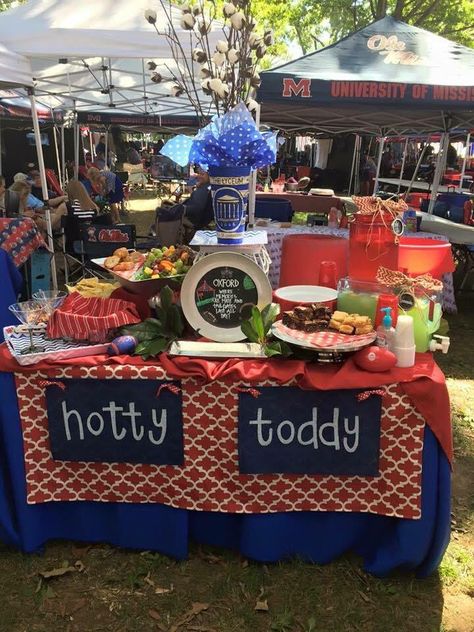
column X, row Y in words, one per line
column 290, row 431
column 112, row 421
column 218, row 294
column 225, row 297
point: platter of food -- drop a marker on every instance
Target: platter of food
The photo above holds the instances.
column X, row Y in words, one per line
column 317, row 327
column 146, row 273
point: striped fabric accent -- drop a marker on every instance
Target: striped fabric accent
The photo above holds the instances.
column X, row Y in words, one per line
column 91, row 319
column 79, row 213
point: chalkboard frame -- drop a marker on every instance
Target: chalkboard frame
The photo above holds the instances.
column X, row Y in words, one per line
column 194, row 277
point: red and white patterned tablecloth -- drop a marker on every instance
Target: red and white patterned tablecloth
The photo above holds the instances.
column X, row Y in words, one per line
column 210, row 480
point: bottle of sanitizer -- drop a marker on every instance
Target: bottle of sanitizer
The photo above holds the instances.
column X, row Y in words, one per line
column 385, row 331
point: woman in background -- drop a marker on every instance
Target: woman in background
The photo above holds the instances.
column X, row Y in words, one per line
column 80, row 202
column 30, row 206
column 111, row 187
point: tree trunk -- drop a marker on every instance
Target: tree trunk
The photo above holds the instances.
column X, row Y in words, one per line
column 381, row 10
column 398, row 11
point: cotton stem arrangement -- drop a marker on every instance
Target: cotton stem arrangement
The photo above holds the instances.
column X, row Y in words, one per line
column 226, row 70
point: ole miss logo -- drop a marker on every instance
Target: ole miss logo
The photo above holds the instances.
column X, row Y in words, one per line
column 299, row 88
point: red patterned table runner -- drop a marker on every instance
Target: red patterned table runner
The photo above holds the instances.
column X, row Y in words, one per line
column 20, row 238
column 209, row 480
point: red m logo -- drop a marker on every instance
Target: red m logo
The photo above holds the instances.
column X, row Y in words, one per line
column 300, row 89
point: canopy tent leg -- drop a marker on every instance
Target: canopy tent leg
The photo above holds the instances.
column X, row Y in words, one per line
column 91, row 144
column 402, row 168
column 44, row 185
column 63, row 159
column 253, row 180
column 1, row 159
column 354, row 158
column 463, row 170
column 379, row 162
column 440, row 167
column 106, row 148
column 56, row 150
column 76, row 148
column 418, row 163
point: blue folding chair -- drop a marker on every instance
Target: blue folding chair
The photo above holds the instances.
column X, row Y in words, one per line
column 278, row 210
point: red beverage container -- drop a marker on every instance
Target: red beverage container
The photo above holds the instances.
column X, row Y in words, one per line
column 371, row 245
column 328, row 274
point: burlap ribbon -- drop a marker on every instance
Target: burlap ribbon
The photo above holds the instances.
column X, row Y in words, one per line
column 369, row 205
column 425, row 282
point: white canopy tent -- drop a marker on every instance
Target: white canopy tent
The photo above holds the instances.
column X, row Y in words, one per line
column 15, row 72
column 93, row 56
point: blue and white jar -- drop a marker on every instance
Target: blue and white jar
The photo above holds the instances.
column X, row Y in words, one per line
column 230, row 192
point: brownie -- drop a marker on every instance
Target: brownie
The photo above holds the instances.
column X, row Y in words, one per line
column 303, row 313
column 321, row 312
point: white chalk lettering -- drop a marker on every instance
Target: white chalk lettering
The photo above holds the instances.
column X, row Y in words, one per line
column 113, row 409
column 313, row 432
column 90, row 428
column 162, row 425
column 291, row 434
column 259, row 422
column 334, row 426
column 354, row 432
column 133, row 414
column 312, row 424
column 66, row 416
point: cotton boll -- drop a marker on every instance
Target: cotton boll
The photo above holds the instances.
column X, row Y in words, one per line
column 254, row 40
column 204, row 73
column 268, row 39
column 151, row 65
column 156, row 77
column 260, row 52
column 206, row 88
column 187, row 22
column 252, row 105
column 215, row 84
column 229, row 9
column 222, row 46
column 199, row 55
column 176, row 90
column 218, row 58
column 238, row 21
column 197, row 10
column 204, row 26
column 233, row 55
column 150, row 16
column 185, row 8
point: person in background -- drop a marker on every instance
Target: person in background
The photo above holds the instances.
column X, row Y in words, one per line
column 452, row 156
column 386, row 164
column 9, row 201
column 100, row 147
column 30, row 206
column 54, row 200
column 109, row 185
column 197, row 209
column 81, row 204
column 133, row 157
column 367, row 172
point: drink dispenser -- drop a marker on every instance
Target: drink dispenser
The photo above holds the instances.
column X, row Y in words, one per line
column 372, row 243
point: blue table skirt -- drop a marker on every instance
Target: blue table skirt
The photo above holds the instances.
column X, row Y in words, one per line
column 384, row 543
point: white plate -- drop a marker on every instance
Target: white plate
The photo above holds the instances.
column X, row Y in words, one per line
column 306, row 294
column 237, row 265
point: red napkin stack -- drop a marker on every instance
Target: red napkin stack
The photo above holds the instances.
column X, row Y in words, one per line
column 91, row 319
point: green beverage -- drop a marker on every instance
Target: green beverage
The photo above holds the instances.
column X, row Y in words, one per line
column 423, row 325
column 362, row 303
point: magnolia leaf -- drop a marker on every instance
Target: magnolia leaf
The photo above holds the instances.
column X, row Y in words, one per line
column 277, row 348
column 157, row 346
column 166, row 297
column 249, row 331
column 269, row 314
column 142, row 348
column 175, row 320
column 257, row 323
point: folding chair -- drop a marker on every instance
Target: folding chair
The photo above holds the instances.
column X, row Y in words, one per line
column 278, row 210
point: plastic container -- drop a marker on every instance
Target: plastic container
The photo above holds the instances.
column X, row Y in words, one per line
column 385, row 331
column 302, row 255
column 372, row 243
column 420, row 255
column 359, row 297
column 404, row 342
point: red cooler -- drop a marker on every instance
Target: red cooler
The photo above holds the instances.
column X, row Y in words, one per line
column 302, row 255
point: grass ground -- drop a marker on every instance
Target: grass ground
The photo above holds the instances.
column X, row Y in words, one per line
column 102, row 588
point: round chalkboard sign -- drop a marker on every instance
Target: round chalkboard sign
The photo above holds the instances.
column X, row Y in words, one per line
column 218, row 294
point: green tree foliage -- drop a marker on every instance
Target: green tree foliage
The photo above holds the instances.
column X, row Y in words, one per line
column 316, row 23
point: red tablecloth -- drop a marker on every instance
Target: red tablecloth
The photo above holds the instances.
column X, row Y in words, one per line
column 306, row 203
column 424, row 383
column 20, row 237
